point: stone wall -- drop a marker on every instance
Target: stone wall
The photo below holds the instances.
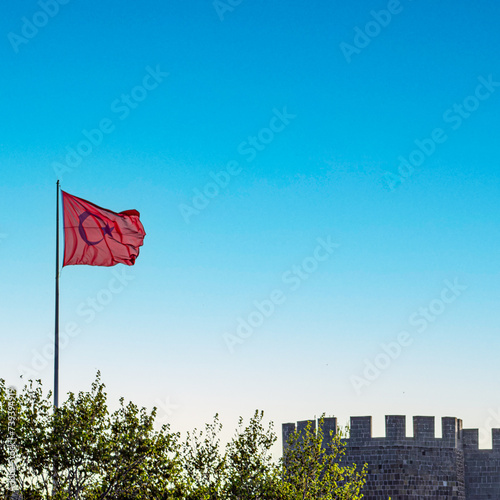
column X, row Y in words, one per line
column 482, row 467
column 423, row 466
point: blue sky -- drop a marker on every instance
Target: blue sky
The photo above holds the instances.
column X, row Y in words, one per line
column 303, row 118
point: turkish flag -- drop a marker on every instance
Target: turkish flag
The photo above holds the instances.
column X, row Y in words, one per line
column 94, row 236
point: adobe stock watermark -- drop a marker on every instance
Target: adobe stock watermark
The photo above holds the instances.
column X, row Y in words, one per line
column 223, row 6
column 87, row 311
column 249, row 149
column 420, row 321
column 454, row 116
column 363, row 37
column 492, row 422
column 165, row 409
column 293, row 278
column 122, row 107
column 31, row 27
column 11, row 442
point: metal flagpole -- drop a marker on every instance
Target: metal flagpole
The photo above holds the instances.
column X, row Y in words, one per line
column 56, row 340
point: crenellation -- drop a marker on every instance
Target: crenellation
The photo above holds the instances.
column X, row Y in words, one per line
column 302, row 425
column 423, row 428
column 451, row 467
column 495, row 439
column 329, row 430
column 287, row 430
column 470, row 439
column 450, row 431
column 395, row 427
column 360, row 429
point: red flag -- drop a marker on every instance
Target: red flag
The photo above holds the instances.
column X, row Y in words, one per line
column 95, row 236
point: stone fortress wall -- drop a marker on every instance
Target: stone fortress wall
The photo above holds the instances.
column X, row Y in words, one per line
column 450, row 467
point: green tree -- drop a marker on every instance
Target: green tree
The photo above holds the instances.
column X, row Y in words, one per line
column 203, row 462
column 251, row 473
column 243, row 470
column 81, row 451
column 312, row 471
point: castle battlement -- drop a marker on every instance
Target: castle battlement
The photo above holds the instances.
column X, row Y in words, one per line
column 421, row 466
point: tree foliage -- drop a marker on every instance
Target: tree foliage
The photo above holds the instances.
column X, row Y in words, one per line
column 81, row 451
column 313, row 470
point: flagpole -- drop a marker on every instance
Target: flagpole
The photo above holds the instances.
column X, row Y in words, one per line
column 56, row 339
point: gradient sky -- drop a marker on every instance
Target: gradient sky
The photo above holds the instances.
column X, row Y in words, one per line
column 348, row 116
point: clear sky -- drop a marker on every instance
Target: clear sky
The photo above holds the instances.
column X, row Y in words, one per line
column 333, row 164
